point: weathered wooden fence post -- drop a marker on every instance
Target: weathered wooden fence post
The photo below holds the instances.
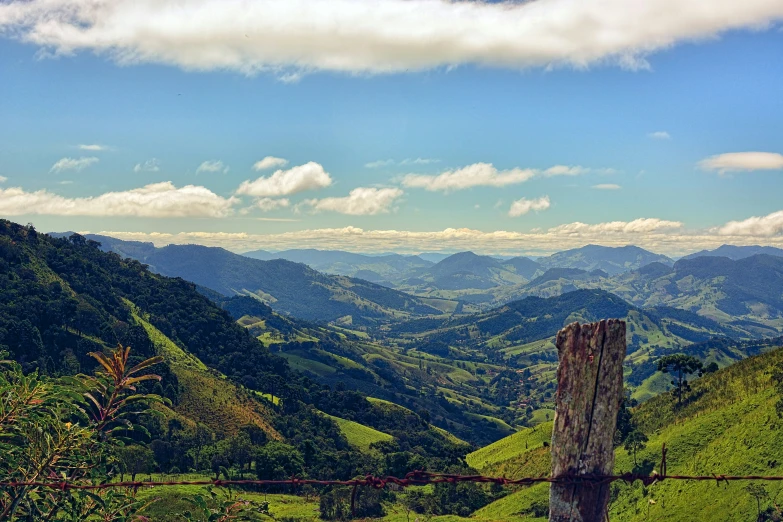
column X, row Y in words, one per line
column 589, row 392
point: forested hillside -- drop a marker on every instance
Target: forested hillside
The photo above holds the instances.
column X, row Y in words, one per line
column 63, row 298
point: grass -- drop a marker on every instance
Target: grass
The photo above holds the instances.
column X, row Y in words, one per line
column 170, row 501
column 207, row 396
column 359, row 435
column 510, row 447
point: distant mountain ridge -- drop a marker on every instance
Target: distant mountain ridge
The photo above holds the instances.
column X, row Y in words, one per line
column 612, row 260
column 737, row 252
column 380, row 268
column 293, row 288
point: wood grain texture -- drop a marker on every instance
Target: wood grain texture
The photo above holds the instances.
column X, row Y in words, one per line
column 589, row 392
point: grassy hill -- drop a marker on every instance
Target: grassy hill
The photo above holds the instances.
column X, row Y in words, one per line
column 727, row 425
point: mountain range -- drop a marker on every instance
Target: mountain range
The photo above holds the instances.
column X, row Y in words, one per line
column 290, row 287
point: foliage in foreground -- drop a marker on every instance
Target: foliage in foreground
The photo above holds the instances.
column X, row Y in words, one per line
column 69, row 430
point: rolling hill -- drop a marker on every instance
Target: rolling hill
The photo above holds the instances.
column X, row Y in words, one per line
column 292, row 288
column 520, row 335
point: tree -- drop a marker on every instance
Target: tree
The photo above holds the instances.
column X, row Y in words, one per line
column 759, row 493
column 240, row 450
column 135, row 459
column 682, row 365
column 777, row 379
column 278, row 461
column 635, row 441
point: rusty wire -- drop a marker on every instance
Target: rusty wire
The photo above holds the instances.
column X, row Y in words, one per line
column 414, row 478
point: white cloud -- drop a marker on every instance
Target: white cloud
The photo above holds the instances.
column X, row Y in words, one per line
column 155, row 200
column 522, row 206
column 3, row 179
column 151, row 165
column 77, row 164
column 477, row 174
column 65, row 182
column 566, row 170
column 310, row 176
column 659, row 135
column 293, row 37
column 743, row 161
column 769, row 225
column 607, row 186
column 657, row 235
column 212, row 166
column 419, row 161
column 269, row 162
column 269, row 204
column 406, row 161
column 637, row 226
column 360, row 201
column 94, row 147
column 379, row 163
column 485, row 174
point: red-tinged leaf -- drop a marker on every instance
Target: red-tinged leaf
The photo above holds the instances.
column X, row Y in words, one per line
column 141, row 378
column 103, row 360
column 145, row 364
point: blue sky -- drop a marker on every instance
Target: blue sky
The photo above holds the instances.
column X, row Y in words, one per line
column 671, row 143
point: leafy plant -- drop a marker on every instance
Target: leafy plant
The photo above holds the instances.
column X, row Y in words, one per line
column 64, row 431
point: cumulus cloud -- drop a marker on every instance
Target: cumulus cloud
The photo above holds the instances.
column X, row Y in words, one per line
column 93, row 147
column 659, row 135
column 293, row 37
column 743, row 161
column 607, row 186
column 269, row 162
column 764, row 226
column 269, row 204
column 151, row 165
column 486, row 174
column 212, row 166
column 522, row 206
column 155, row 200
column 657, row 235
column 77, row 164
column 360, row 201
column 310, row 176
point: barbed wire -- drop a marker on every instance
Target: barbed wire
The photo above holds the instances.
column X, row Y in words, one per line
column 414, row 478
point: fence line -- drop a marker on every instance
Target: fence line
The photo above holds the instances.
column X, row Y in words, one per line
column 414, row 478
